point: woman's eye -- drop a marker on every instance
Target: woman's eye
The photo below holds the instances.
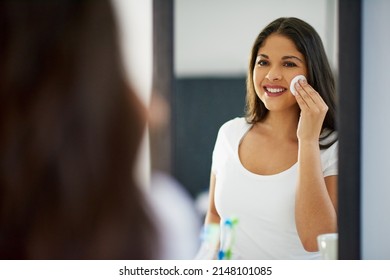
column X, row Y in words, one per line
column 262, row 63
column 289, row 64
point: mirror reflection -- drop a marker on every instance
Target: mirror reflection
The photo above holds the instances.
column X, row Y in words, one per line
column 211, row 61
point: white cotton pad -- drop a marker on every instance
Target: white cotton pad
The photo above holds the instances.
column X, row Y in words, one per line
column 294, row 81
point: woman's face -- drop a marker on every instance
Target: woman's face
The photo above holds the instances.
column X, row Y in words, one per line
column 278, row 61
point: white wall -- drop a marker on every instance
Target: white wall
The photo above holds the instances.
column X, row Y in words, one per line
column 214, row 37
column 376, row 130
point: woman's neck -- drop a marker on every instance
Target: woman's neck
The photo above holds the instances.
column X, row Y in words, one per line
column 281, row 125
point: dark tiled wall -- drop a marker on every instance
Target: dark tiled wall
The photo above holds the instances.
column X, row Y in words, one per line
column 200, row 106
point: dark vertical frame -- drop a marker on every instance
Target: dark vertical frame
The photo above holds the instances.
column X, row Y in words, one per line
column 349, row 90
column 163, row 80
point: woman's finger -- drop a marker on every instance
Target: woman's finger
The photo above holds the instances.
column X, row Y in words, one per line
column 311, row 97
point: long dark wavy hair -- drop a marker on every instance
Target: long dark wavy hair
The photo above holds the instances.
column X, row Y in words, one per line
column 70, row 128
column 319, row 73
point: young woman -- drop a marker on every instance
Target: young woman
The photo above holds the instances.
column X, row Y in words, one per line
column 273, row 186
column 70, row 128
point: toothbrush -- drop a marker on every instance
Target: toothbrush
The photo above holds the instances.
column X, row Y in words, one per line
column 228, row 238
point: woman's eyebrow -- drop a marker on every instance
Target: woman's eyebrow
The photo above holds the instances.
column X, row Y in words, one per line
column 292, row 57
column 263, row 55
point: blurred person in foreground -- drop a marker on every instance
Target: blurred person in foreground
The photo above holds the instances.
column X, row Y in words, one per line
column 70, row 128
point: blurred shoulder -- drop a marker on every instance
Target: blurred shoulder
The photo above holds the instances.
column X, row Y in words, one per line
column 235, row 125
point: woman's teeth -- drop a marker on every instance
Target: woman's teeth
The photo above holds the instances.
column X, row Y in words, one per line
column 274, row 90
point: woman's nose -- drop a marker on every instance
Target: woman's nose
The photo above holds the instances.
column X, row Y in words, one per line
column 274, row 74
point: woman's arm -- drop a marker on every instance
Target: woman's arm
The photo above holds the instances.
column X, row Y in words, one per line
column 316, row 197
column 212, row 216
column 210, row 237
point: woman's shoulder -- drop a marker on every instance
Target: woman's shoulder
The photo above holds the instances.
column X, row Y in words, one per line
column 232, row 131
column 235, row 125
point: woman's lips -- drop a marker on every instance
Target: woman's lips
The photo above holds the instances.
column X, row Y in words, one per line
column 274, row 91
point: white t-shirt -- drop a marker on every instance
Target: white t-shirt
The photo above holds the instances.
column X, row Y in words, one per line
column 263, row 204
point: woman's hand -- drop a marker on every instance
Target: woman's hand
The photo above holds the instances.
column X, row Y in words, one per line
column 313, row 112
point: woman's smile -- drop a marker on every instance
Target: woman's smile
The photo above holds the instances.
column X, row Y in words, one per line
column 274, row 91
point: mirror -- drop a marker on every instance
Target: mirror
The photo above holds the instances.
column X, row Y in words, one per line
column 348, row 13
